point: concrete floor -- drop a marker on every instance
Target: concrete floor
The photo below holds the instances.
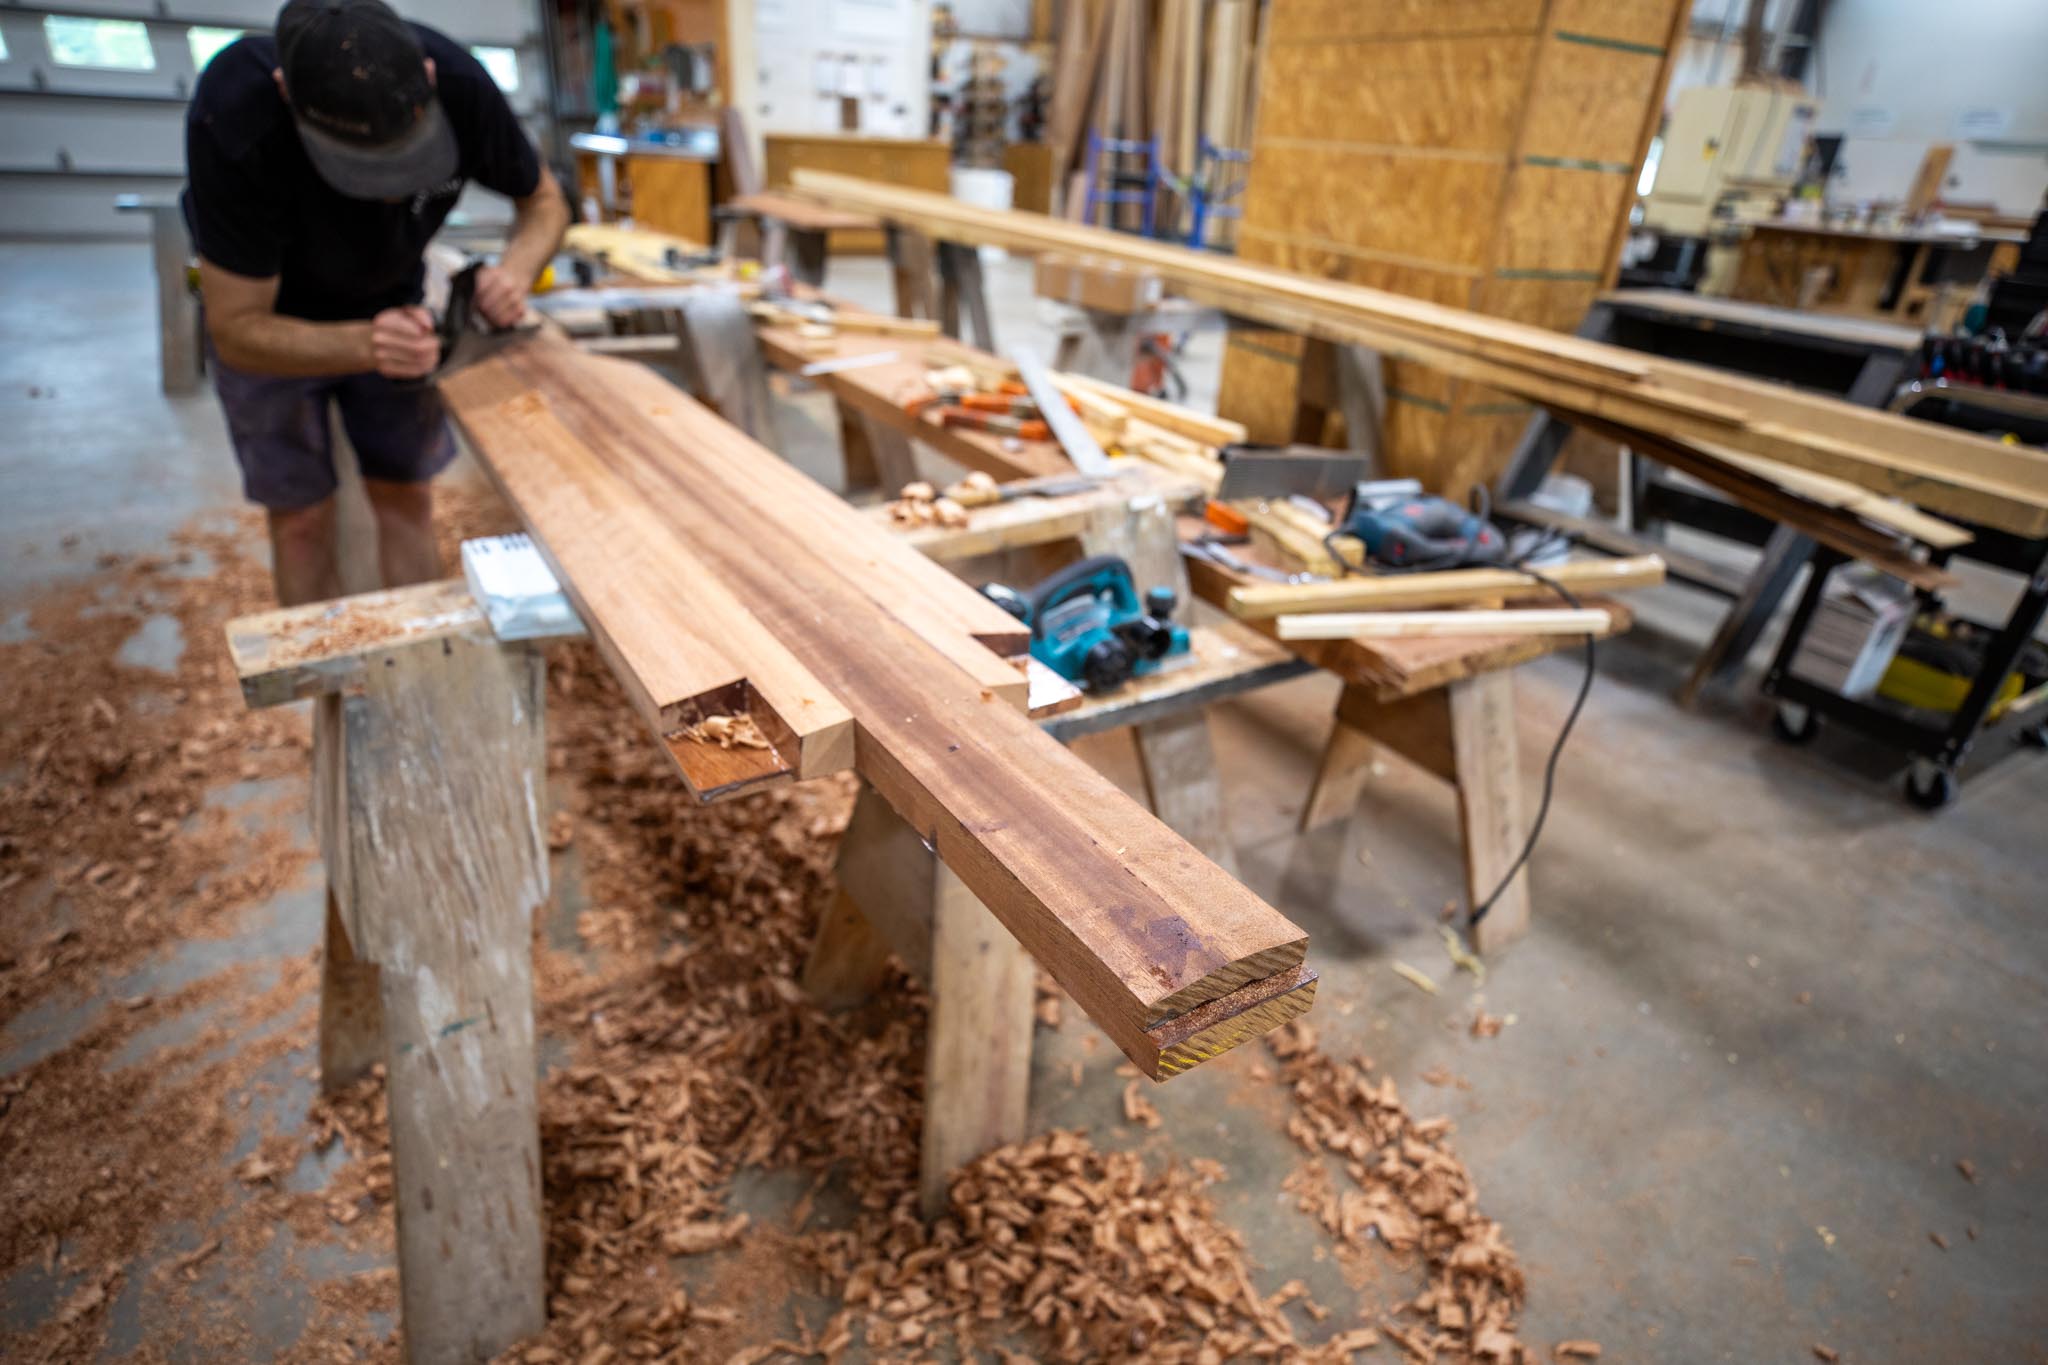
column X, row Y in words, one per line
column 1763, row 998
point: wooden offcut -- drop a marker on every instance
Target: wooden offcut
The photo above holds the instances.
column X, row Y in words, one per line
column 1445, row 588
column 1131, row 920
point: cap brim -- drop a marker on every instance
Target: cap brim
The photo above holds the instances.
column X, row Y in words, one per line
column 424, row 158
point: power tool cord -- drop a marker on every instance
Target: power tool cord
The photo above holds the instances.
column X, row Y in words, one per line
column 1543, row 543
column 1564, row 733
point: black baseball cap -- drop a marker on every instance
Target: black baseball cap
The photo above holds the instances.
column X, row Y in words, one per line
column 356, row 77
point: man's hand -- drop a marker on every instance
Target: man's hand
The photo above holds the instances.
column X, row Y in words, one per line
column 499, row 296
column 403, row 343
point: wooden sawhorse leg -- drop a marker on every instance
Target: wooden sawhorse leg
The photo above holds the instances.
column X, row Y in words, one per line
column 876, row 455
column 806, row 251
column 911, row 273
column 1464, row 732
column 1182, row 785
column 427, row 792
column 896, row 897
column 960, row 290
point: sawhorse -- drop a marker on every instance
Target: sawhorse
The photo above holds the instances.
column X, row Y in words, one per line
column 1860, row 361
column 429, row 780
column 913, row 260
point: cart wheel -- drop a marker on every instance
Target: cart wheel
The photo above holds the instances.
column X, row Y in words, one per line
column 1929, row 787
column 1795, row 724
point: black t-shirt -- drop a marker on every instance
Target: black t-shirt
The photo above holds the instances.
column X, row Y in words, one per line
column 257, row 207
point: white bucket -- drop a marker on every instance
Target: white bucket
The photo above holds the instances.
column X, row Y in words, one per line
column 986, row 189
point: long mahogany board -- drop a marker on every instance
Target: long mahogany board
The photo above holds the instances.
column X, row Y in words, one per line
column 1170, row 955
column 1943, row 469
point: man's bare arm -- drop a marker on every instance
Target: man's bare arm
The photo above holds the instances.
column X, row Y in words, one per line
column 538, row 222
column 253, row 337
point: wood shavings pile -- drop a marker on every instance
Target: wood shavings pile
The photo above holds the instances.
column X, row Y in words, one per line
column 1082, row 1252
column 727, row 732
column 919, row 504
column 1411, row 1194
column 693, row 1056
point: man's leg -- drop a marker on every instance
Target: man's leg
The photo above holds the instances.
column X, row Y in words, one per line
column 278, row 426
column 402, row 441
column 302, row 559
column 406, row 552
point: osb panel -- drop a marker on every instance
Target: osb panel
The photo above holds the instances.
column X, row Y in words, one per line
column 1474, row 449
column 1558, row 219
column 1414, row 443
column 1588, row 103
column 1456, row 93
column 1647, row 22
column 1417, row 208
column 1559, row 305
column 1317, row 21
column 1418, row 383
column 1260, row 380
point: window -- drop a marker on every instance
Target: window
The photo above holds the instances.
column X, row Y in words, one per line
column 502, row 63
column 110, row 44
column 205, row 42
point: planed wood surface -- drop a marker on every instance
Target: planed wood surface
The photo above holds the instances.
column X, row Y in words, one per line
column 673, row 631
column 1943, row 470
column 1131, row 920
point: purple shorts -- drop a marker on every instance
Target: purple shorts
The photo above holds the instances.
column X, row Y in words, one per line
column 282, row 435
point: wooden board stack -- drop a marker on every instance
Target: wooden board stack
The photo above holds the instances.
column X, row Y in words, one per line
column 719, row 581
column 1691, row 409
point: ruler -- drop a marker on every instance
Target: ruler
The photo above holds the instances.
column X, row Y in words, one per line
column 1066, row 424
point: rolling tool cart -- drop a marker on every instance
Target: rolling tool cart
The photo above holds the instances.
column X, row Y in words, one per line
column 2000, row 672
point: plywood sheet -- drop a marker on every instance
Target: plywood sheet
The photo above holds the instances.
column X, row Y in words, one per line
column 1261, row 378
column 1409, row 208
column 1320, row 21
column 1574, row 98
column 1646, row 23
column 1559, row 304
column 1461, row 93
column 1556, row 221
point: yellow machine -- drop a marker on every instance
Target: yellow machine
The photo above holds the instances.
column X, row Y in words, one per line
column 1728, row 148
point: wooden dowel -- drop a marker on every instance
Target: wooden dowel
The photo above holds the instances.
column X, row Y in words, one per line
column 1369, row 625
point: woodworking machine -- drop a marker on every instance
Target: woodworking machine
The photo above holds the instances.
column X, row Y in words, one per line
column 1089, row 626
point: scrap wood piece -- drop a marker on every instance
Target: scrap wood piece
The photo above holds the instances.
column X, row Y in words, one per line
column 1448, row 587
column 1390, row 669
column 1837, row 528
column 1134, row 923
column 293, row 653
column 1381, row 625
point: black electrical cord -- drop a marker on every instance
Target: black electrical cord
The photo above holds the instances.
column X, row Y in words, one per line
column 1548, row 540
column 1564, row 733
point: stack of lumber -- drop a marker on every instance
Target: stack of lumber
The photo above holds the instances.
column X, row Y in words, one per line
column 719, row 582
column 1177, row 70
column 1666, row 408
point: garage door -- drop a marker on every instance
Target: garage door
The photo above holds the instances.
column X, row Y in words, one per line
column 92, row 99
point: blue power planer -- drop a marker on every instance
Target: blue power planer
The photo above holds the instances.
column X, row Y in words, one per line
column 1089, row 626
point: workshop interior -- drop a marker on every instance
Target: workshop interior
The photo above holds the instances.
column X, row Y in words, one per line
column 1181, row 681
